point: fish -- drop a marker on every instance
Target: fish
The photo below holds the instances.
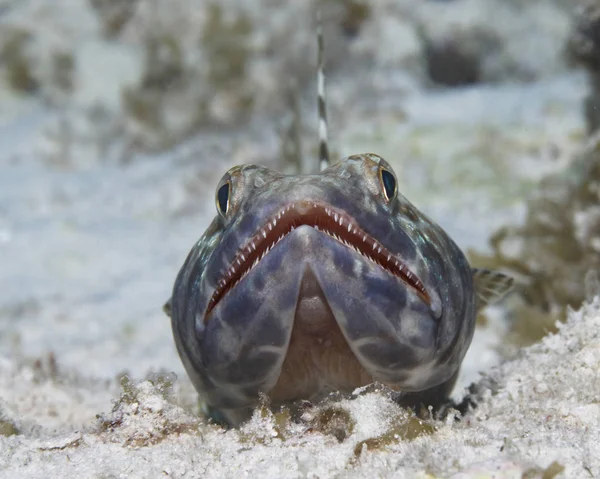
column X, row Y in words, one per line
column 305, row 284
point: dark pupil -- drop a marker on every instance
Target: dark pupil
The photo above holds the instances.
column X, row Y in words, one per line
column 223, row 197
column 389, row 183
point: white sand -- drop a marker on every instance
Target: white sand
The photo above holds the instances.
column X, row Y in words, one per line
column 545, row 409
column 89, row 249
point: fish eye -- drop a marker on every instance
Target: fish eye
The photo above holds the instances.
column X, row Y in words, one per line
column 388, row 182
column 223, row 198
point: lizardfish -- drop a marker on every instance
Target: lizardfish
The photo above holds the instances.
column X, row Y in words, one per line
column 307, row 284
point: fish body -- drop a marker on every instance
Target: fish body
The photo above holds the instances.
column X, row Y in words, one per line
column 305, row 284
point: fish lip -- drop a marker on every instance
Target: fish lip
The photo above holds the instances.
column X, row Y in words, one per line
column 325, row 218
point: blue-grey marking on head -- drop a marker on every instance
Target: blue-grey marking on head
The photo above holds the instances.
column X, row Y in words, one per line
column 304, row 284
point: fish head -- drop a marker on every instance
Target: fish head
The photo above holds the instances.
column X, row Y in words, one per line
column 335, row 256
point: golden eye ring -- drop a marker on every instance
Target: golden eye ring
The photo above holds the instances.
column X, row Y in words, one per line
column 389, row 185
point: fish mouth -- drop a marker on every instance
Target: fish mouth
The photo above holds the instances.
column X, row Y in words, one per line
column 322, row 217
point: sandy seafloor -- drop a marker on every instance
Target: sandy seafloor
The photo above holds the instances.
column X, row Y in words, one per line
column 90, row 245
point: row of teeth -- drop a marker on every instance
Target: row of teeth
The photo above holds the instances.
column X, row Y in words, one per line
column 252, row 247
column 338, row 218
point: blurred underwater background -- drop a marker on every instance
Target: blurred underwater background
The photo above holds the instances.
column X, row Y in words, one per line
column 119, row 117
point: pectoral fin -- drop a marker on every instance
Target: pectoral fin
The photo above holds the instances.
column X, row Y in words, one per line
column 490, row 286
column 167, row 308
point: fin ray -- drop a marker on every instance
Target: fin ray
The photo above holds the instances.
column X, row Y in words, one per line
column 322, row 99
column 490, row 286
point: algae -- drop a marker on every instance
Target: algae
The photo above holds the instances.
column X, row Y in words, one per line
column 333, row 421
column 226, row 45
column 7, row 428
column 583, row 48
column 404, row 427
column 554, row 249
column 550, row 472
column 163, row 69
column 63, row 66
column 13, row 55
column 192, row 82
column 113, row 14
column 356, row 12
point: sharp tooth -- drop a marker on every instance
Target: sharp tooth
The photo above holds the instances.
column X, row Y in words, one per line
column 243, row 257
column 374, row 245
column 253, row 246
column 349, row 227
column 264, row 234
column 364, row 238
column 341, row 221
column 335, row 216
column 379, row 250
column 389, row 256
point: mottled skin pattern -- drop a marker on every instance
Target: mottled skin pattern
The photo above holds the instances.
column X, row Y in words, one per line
column 395, row 337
